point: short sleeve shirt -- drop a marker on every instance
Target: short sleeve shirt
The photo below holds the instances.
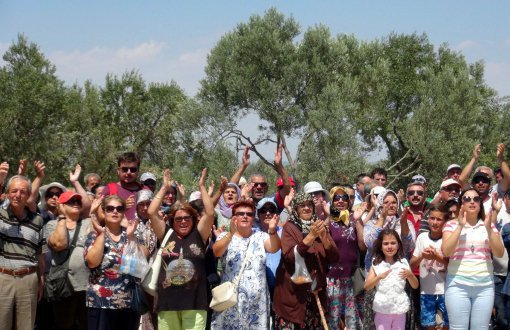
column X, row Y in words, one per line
column 432, row 272
column 471, row 262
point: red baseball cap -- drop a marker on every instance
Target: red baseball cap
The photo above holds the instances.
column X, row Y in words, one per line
column 66, row 196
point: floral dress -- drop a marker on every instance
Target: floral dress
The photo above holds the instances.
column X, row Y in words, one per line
column 108, row 287
column 252, row 308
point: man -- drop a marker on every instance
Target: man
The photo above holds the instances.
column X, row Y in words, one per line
column 21, row 261
column 380, row 176
column 359, row 191
column 416, row 196
column 91, row 180
column 453, row 172
column 128, row 165
column 481, row 182
column 450, row 189
column 148, row 180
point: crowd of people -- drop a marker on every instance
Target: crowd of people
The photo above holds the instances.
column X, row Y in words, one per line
column 357, row 256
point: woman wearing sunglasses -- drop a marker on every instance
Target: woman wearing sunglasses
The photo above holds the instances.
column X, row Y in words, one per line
column 239, row 244
column 182, row 286
column 345, row 309
column 109, row 291
column 468, row 241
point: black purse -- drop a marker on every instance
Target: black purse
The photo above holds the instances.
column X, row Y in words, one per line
column 57, row 285
column 139, row 301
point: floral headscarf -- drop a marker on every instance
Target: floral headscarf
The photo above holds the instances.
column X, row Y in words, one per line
column 304, row 225
column 390, row 221
column 225, row 209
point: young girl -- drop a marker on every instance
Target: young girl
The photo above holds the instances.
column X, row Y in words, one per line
column 388, row 274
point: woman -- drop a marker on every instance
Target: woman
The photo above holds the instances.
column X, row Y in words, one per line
column 109, row 291
column 296, row 305
column 252, row 308
column 345, row 309
column 469, row 241
column 385, row 215
column 70, row 313
column 182, row 286
column 230, row 196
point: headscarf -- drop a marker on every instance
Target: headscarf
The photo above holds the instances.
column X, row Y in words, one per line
column 303, row 225
column 336, row 214
column 392, row 221
column 225, row 209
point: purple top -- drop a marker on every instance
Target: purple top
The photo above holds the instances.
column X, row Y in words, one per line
column 346, row 242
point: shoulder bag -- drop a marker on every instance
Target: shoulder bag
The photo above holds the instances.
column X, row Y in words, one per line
column 150, row 281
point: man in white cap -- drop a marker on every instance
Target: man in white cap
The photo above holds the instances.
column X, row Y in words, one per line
column 453, row 172
column 148, row 180
column 450, row 189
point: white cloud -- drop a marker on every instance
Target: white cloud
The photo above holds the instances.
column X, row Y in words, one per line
column 151, row 59
column 467, row 44
column 496, row 76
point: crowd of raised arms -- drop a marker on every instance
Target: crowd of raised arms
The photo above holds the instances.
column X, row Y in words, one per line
column 357, row 255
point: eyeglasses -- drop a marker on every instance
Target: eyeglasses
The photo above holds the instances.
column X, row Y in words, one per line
column 481, row 180
column 51, row 194
column 111, row 208
column 415, row 192
column 452, row 188
column 73, row 201
column 343, row 197
column 129, row 169
column 185, row 218
column 242, row 214
column 468, row 199
column 261, row 184
column 266, row 210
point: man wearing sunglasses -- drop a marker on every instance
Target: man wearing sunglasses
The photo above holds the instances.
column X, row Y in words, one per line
column 128, row 165
column 49, row 200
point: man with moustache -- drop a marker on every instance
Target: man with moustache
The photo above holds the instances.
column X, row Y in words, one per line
column 21, row 257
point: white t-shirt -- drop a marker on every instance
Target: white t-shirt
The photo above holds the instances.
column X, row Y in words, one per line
column 432, row 272
column 390, row 296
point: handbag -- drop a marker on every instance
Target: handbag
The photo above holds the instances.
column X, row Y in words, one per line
column 150, row 281
column 224, row 295
column 57, row 285
column 358, row 277
column 139, row 301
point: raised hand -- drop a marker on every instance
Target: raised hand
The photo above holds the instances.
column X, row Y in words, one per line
column 288, row 199
column 223, row 183
column 246, row 156
column 131, row 228
column 74, row 176
column 167, row 178
column 4, row 170
column 22, row 168
column 201, row 181
column 96, row 203
column 278, row 155
column 245, row 192
column 210, row 190
column 273, row 223
column 476, row 151
column 39, row 169
column 500, row 150
column 461, row 219
column 97, row 226
column 358, row 212
column 496, row 205
column 488, row 220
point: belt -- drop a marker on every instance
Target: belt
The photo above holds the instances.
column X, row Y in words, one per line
column 19, row 271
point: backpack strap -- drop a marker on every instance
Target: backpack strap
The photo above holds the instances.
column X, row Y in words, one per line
column 112, row 187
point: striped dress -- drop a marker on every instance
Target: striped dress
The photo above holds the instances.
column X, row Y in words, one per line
column 471, row 262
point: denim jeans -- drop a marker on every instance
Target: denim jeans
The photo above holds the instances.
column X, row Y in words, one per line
column 469, row 307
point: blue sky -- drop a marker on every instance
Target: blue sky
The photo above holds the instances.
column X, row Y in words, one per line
column 169, row 40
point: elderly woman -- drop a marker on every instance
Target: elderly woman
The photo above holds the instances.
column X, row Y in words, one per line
column 346, row 229
column 294, row 303
column 109, row 291
column 252, row 308
column 182, row 286
column 385, row 216
column 66, row 234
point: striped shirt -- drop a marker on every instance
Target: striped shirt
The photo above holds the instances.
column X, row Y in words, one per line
column 471, row 262
column 21, row 241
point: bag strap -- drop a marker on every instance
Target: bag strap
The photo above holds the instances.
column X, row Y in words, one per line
column 75, row 236
column 112, row 187
column 165, row 240
column 245, row 262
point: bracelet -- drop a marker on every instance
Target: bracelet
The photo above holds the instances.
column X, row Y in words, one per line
column 229, row 237
column 273, row 233
column 157, row 197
